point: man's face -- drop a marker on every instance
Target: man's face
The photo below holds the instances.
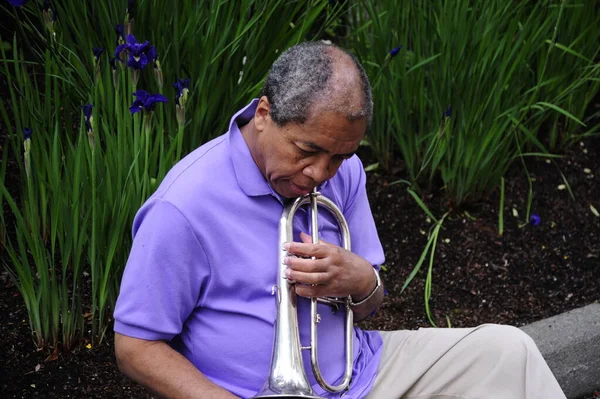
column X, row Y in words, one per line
column 296, row 158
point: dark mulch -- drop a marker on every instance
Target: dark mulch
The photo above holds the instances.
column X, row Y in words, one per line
column 529, row 273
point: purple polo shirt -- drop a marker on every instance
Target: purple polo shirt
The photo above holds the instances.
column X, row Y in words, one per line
column 204, row 261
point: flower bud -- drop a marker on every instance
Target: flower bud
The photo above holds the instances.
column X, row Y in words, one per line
column 158, row 74
column 91, row 139
column 135, row 77
column 115, row 72
column 27, row 149
column 180, row 113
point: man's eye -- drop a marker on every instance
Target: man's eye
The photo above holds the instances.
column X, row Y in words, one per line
column 306, row 152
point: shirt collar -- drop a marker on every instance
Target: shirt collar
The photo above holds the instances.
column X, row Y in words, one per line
column 249, row 177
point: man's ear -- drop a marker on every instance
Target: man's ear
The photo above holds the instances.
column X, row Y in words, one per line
column 262, row 114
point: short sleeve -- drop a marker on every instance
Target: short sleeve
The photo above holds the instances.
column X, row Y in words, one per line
column 357, row 211
column 164, row 276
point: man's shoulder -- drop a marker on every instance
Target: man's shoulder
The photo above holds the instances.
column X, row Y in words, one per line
column 350, row 174
column 347, row 183
column 206, row 169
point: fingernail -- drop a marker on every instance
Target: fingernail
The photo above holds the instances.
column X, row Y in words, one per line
column 286, row 246
column 288, row 273
column 285, row 260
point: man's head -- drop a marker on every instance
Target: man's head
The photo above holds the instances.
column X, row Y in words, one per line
column 314, row 76
column 313, row 112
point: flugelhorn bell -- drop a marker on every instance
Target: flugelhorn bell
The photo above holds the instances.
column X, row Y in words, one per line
column 287, row 377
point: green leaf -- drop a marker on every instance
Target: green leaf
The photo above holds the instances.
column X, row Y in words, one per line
column 372, row 167
column 422, row 63
column 569, row 50
column 562, row 111
column 422, row 205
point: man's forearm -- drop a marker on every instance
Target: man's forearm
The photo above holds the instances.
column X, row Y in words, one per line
column 164, row 371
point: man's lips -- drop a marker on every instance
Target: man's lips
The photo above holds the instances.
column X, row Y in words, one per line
column 300, row 190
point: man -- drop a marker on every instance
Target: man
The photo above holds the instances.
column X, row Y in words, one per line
column 196, row 313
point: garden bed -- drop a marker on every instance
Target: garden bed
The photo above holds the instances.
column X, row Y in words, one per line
column 529, row 273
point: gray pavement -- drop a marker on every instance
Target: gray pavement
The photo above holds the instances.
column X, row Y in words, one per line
column 570, row 343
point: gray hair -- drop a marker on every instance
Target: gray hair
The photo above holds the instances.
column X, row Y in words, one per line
column 301, row 78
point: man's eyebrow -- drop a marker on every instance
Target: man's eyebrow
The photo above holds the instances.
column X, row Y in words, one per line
column 316, row 147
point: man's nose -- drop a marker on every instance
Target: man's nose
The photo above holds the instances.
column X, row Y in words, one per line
column 319, row 171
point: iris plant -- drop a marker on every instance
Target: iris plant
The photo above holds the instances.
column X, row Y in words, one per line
column 129, row 17
column 120, row 41
column 181, row 97
column 391, row 54
column 27, row 132
column 394, row 52
column 120, row 35
column 146, row 102
column 49, row 17
column 158, row 74
column 444, row 122
column 97, row 53
column 127, row 167
column 140, row 55
column 89, row 120
column 18, row 3
column 115, row 73
column 182, row 87
column 448, row 112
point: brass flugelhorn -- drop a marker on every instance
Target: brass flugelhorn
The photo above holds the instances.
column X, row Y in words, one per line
column 287, row 377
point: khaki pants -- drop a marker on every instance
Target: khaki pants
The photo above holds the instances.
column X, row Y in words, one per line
column 486, row 362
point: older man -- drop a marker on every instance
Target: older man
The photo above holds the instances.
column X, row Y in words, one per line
column 196, row 314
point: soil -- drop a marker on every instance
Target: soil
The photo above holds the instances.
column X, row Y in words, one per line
column 528, row 273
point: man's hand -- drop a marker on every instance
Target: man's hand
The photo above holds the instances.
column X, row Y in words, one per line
column 333, row 272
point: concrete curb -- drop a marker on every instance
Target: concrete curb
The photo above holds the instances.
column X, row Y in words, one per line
column 570, row 343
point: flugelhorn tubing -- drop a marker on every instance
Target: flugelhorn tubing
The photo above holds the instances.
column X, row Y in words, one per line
column 287, row 377
column 315, row 199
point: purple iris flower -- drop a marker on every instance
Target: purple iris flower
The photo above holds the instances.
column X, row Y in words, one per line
column 18, row 3
column 47, row 9
column 27, row 132
column 448, row 112
column 535, row 219
column 180, row 86
column 119, row 32
column 97, row 52
column 140, row 54
column 394, row 52
column 145, row 101
column 130, row 5
column 87, row 112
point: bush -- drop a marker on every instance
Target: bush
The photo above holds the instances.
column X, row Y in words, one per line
column 92, row 158
column 476, row 84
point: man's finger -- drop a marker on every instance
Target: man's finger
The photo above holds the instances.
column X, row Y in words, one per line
column 306, row 278
column 307, row 265
column 307, row 238
column 308, row 291
column 306, row 249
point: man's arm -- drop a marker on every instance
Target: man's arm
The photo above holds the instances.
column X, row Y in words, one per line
column 164, row 371
column 364, row 310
